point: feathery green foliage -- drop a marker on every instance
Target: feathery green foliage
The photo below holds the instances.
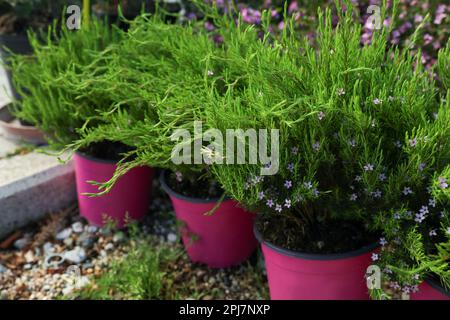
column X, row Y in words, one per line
column 50, row 81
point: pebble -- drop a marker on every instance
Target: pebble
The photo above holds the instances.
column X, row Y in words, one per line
column 91, row 229
column 29, row 256
column 77, row 227
column 86, row 240
column 119, row 237
column 48, row 248
column 77, row 255
column 172, row 237
column 27, row 266
column 68, row 242
column 3, row 269
column 21, row 243
column 64, row 234
column 109, row 246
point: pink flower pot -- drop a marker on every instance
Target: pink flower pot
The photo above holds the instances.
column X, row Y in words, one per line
column 221, row 239
column 431, row 290
column 301, row 276
column 128, row 199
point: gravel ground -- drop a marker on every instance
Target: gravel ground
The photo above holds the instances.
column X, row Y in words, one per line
column 62, row 254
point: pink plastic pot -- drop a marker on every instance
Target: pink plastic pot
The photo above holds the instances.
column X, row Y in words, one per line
column 221, row 239
column 431, row 290
column 301, row 276
column 128, row 199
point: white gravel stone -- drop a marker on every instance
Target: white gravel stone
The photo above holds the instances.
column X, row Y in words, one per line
column 64, row 234
column 172, row 237
column 21, row 243
column 77, row 227
column 77, row 255
column 3, row 269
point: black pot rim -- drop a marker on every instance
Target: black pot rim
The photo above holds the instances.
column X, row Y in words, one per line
column 437, row 286
column 95, row 159
column 313, row 256
column 171, row 192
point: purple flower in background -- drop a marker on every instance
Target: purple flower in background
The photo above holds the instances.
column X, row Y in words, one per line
column 209, row 26
column 321, row 115
column 418, row 18
column 290, row 167
column 382, row 177
column 422, row 166
column 270, row 203
column 308, row 185
column 407, row 190
column 415, row 288
column 439, row 18
column 340, row 92
column 387, row 271
column 448, row 230
column 353, row 197
column 358, row 178
column 179, row 176
column 375, row 257
column 421, row 215
column 294, row 150
column 408, row 214
column 278, row 208
column 352, row 142
column 443, row 183
column 261, row 195
column 398, row 144
column 377, row 101
column 293, row 7
column 432, row 203
column 316, row 146
column 427, row 38
column 413, row 142
column 288, row 184
column 377, row 194
column 315, row 192
column 287, row 203
column 383, row 242
column 210, row 73
column 397, row 216
column 394, row 285
column 368, row 167
column 433, row 233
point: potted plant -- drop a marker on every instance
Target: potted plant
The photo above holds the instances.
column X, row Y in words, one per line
column 51, row 84
column 416, row 253
column 164, row 78
column 341, row 115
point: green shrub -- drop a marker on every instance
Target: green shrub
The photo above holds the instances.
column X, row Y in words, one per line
column 345, row 113
column 50, row 81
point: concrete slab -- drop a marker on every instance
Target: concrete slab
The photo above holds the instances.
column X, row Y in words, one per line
column 7, row 147
column 31, row 186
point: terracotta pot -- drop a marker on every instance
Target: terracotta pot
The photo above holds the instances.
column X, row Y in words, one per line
column 12, row 129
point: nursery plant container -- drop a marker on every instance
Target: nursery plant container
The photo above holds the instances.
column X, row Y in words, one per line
column 303, row 276
column 129, row 198
column 14, row 130
column 18, row 44
column 220, row 239
column 431, row 289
